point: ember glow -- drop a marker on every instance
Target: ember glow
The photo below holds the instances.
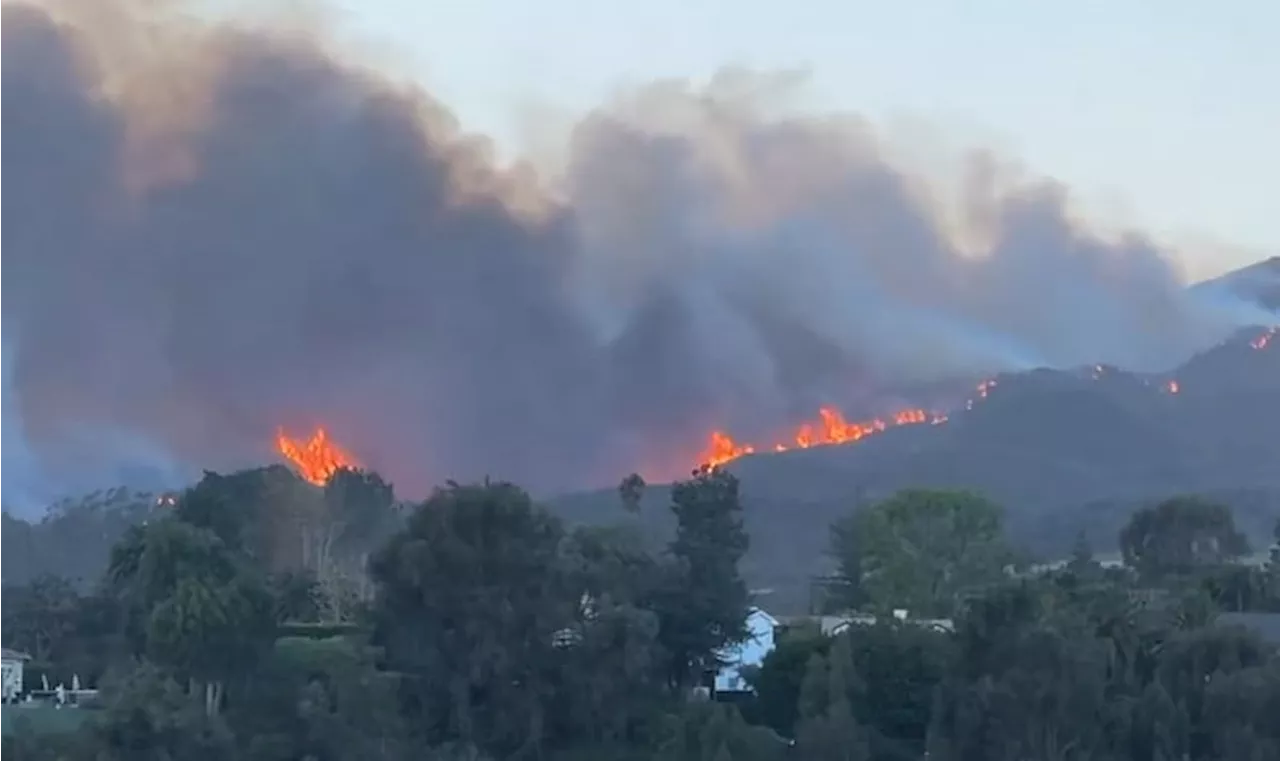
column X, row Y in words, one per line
column 829, row 428
column 1172, row 387
column 316, row 459
column 1264, row 340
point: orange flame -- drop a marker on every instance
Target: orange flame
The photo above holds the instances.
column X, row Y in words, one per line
column 1172, row 387
column 1264, row 340
column 831, row 427
column 721, row 448
column 316, row 459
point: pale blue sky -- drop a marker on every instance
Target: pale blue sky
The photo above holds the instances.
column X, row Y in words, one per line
column 1163, row 111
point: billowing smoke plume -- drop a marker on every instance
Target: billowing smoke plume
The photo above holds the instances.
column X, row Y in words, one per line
column 212, row 232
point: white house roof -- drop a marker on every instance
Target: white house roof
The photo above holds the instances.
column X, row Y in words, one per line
column 14, row 655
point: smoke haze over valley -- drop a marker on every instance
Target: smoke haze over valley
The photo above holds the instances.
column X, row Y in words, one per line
column 215, row 231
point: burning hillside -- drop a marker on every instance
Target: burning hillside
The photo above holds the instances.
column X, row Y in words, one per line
column 832, row 428
column 829, row 428
column 317, row 458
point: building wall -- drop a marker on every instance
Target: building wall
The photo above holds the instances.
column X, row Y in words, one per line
column 11, row 678
column 750, row 653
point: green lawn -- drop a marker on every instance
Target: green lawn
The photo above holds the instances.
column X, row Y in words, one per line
column 42, row 718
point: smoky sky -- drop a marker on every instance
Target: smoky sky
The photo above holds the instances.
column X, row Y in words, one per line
column 240, row 229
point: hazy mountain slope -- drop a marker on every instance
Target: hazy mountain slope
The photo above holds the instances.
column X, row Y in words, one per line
column 1063, row 451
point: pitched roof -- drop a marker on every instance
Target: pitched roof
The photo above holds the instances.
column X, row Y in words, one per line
column 14, row 655
column 1265, row 625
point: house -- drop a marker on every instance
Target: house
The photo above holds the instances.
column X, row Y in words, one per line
column 11, row 674
column 746, row 655
column 831, row 626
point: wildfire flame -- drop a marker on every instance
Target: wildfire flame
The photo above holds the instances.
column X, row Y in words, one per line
column 831, row 427
column 316, row 459
column 1264, row 340
column 1172, row 387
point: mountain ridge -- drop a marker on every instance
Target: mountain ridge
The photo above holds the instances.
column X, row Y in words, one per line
column 1063, row 451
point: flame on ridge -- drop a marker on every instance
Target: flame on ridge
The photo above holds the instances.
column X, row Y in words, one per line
column 316, row 459
column 830, row 428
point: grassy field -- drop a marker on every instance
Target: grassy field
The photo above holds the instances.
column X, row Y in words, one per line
column 42, row 718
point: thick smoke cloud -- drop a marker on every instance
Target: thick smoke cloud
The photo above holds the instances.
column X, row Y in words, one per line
column 241, row 230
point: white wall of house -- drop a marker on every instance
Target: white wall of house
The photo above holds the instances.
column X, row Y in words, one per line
column 750, row 653
column 11, row 675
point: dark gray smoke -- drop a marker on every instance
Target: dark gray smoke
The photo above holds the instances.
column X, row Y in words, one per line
column 235, row 230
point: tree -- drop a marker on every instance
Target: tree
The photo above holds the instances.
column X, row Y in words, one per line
column 612, row 677
column 355, row 512
column 40, row 617
column 702, row 602
column 191, row 604
column 1082, row 563
column 899, row 667
column 826, row 728
column 778, row 682
column 1181, row 535
column 710, row 731
column 631, row 491
column 148, row 716
column 321, row 698
column 921, row 549
column 470, row 597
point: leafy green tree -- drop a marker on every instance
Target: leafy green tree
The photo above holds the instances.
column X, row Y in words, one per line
column 1190, row 661
column 471, row 597
column 899, row 667
column 297, row 596
column 711, row 731
column 359, row 505
column 631, row 491
column 192, row 604
column 1033, row 677
column 1239, row 588
column 612, row 676
column 1082, row 564
column 922, row 549
column 826, row 727
column 778, row 682
column 702, row 600
column 40, row 617
column 1179, row 536
column 320, row 699
column 355, row 513
column 148, row 716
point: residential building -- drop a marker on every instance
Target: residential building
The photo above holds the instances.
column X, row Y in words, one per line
column 832, row 625
column 11, row 666
column 748, row 654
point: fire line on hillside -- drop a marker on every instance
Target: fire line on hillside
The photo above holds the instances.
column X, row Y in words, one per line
column 316, row 459
column 832, row 428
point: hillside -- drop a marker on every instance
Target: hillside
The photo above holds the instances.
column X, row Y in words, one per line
column 1258, row 282
column 1062, row 451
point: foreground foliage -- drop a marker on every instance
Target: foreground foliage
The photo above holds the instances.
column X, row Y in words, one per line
column 264, row 619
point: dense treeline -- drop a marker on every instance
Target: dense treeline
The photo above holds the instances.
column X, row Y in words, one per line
column 261, row 618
